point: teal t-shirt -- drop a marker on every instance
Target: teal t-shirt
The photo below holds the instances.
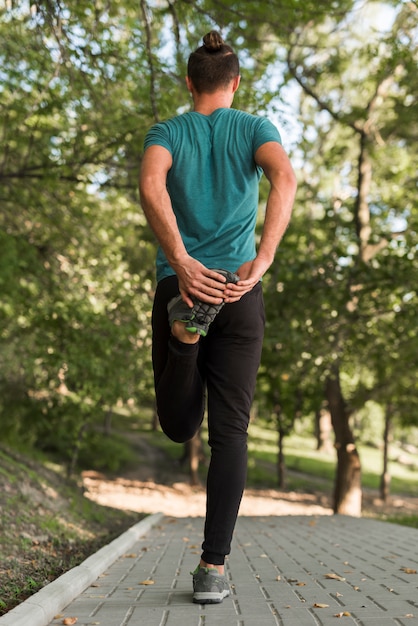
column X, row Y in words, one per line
column 213, row 183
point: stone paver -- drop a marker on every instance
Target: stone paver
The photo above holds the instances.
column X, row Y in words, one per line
column 286, row 571
column 279, row 572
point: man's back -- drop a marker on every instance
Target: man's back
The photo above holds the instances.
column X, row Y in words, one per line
column 213, row 182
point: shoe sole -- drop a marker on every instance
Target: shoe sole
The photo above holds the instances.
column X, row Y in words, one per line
column 209, row 597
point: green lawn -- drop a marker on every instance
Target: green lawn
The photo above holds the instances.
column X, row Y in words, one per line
column 317, row 469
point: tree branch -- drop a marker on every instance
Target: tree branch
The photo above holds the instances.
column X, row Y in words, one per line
column 148, row 37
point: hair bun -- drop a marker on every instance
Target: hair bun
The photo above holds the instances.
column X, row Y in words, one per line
column 213, row 41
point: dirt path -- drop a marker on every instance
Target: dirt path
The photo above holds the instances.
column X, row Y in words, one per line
column 182, row 500
column 159, row 484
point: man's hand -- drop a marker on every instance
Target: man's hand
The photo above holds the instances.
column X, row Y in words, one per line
column 198, row 281
column 250, row 273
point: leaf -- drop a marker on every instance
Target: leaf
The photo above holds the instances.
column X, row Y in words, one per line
column 319, row 605
column 334, row 577
column 68, row 621
column 408, row 570
column 343, row 614
column 147, row 582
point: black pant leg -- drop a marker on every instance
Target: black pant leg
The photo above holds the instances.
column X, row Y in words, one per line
column 232, row 358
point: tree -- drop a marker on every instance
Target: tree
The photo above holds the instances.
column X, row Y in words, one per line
column 77, row 270
column 358, row 98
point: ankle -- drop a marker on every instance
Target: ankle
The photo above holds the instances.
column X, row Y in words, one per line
column 220, row 568
column 179, row 331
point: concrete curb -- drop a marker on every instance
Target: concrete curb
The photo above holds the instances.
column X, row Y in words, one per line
column 41, row 608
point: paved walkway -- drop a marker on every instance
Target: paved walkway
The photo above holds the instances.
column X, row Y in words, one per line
column 287, row 571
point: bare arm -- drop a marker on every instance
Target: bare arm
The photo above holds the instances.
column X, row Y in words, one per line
column 194, row 278
column 278, row 170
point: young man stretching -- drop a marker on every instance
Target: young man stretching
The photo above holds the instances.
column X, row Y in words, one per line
column 199, row 190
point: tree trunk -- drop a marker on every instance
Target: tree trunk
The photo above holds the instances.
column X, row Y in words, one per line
column 281, row 466
column 323, row 429
column 107, row 427
column 154, row 420
column 347, row 490
column 385, row 478
column 193, row 454
column 72, row 464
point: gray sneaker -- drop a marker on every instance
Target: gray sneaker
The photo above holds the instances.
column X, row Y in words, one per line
column 199, row 318
column 209, row 587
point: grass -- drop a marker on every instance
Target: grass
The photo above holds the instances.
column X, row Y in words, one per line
column 318, row 468
column 308, row 469
column 47, row 526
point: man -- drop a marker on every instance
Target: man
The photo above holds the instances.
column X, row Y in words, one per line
column 199, row 191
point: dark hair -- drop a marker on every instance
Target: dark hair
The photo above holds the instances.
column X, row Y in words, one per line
column 212, row 65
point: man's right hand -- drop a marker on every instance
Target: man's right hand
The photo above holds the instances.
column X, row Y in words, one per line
column 196, row 280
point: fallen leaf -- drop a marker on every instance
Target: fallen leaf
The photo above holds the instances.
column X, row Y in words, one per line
column 300, row 584
column 278, row 577
column 319, row 605
column 68, row 621
column 130, row 556
column 408, row 570
column 334, row 577
column 147, row 582
column 409, row 615
column 339, row 595
column 343, row 614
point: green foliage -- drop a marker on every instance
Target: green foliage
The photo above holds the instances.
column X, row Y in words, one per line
column 76, row 272
column 343, row 288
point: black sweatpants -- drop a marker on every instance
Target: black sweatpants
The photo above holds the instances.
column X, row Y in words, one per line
column 222, row 366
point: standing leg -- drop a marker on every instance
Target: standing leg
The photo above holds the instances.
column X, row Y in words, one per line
column 232, row 358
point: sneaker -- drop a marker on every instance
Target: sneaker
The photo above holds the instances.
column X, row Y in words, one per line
column 178, row 311
column 209, row 587
column 199, row 318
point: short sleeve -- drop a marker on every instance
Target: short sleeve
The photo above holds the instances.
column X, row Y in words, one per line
column 266, row 131
column 158, row 135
